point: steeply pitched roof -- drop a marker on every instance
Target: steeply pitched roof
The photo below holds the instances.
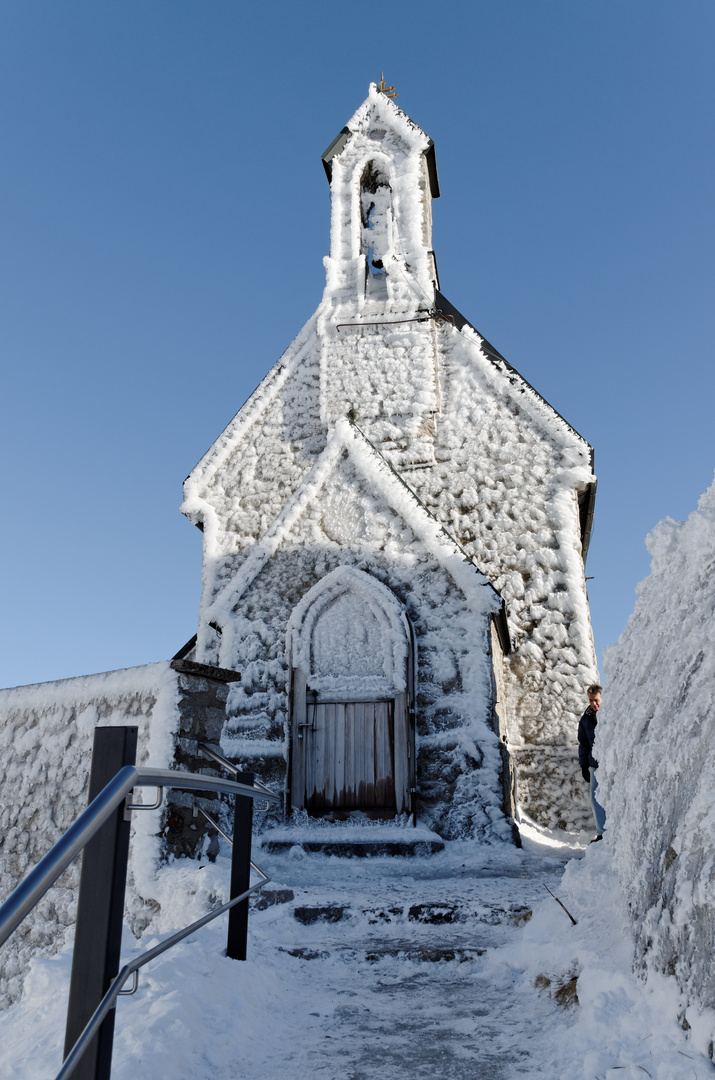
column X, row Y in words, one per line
column 449, row 311
column 385, row 482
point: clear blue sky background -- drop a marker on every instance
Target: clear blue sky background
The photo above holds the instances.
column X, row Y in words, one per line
column 164, row 214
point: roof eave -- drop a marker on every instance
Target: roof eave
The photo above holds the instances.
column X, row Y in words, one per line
column 431, row 157
column 443, row 305
column 501, row 626
column 333, row 150
column 586, row 506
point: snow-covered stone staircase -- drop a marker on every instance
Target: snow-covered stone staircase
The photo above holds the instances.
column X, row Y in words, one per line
column 420, row 932
column 389, row 960
column 381, row 969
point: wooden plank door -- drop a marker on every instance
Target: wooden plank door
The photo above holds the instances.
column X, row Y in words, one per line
column 349, row 755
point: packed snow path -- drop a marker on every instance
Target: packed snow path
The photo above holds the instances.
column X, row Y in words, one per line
column 393, row 980
column 357, row 968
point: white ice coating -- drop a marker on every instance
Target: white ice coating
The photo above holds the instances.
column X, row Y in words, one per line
column 656, row 747
column 383, row 137
column 342, row 512
column 484, row 455
column 350, row 636
column 46, row 733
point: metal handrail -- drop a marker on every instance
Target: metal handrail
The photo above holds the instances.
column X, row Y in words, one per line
column 235, row 769
column 40, row 879
column 214, row 824
column 219, row 758
column 229, row 765
column 109, row 1000
column 31, row 890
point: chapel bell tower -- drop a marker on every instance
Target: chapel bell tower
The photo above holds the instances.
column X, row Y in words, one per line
column 383, row 177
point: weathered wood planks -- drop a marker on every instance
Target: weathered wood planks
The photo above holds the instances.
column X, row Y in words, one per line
column 349, row 752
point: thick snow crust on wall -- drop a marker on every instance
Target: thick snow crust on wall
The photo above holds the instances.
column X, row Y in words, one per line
column 383, row 140
column 656, row 748
column 350, row 637
column 271, row 445
column 46, row 733
column 344, row 523
column 504, row 483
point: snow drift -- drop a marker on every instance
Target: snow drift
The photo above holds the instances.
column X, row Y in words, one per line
column 656, row 746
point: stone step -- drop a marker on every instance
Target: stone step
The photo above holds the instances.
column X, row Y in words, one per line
column 374, row 953
column 432, row 914
column 351, row 849
column 269, row 897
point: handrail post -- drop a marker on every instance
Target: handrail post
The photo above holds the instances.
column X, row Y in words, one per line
column 237, row 941
column 100, row 907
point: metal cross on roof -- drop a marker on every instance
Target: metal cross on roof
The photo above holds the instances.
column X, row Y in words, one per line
column 388, row 91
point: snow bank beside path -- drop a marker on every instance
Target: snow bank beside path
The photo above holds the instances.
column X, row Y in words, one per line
column 656, row 746
column 622, row 1027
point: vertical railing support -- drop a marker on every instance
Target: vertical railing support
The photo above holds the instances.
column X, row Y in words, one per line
column 100, row 907
column 240, row 871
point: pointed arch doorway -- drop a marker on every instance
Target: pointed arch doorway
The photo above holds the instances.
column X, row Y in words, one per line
column 352, row 715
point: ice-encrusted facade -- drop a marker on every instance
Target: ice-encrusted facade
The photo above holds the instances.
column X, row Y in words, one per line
column 392, row 439
column 46, row 733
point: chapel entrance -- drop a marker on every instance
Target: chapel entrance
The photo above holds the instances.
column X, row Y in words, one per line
column 350, row 756
column 351, row 718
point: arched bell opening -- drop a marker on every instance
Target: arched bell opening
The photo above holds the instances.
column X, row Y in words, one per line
column 352, row 700
column 375, row 226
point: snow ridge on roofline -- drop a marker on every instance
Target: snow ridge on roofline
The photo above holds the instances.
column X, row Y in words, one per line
column 398, row 496
column 87, row 688
column 390, row 113
column 253, row 406
column 443, row 306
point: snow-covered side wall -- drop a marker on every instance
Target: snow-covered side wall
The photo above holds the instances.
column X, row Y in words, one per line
column 46, row 734
column 505, row 483
column 656, row 748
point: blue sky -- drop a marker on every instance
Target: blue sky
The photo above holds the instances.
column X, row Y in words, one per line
column 163, row 218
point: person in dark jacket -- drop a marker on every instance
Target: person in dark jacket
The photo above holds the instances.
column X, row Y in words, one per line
column 589, row 765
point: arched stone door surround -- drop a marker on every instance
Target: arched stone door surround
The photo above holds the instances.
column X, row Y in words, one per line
column 352, row 716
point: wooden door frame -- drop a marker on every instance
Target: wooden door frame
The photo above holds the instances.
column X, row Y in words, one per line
column 411, row 682
column 404, row 737
column 298, row 709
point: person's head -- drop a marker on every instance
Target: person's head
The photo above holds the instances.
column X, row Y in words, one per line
column 594, row 696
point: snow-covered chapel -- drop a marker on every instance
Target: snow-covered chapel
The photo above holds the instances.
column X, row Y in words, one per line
column 395, row 527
